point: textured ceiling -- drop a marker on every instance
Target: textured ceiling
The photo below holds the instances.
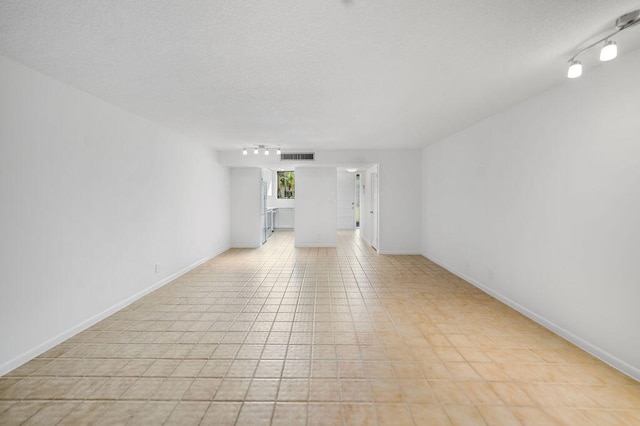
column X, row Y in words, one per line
column 309, row 74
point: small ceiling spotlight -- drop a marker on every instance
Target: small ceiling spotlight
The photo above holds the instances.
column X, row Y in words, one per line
column 256, row 151
column 278, row 151
column 266, row 151
column 244, row 151
column 610, row 49
column 575, row 69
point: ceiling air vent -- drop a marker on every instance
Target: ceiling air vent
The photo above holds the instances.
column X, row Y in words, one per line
column 308, row 156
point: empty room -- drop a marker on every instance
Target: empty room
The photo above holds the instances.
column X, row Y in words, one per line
column 339, row 212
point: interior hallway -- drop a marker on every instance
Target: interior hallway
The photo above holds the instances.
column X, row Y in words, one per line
column 317, row 336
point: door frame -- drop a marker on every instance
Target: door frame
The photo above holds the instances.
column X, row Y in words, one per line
column 375, row 202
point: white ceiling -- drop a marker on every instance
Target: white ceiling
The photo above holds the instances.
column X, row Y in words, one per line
column 305, row 74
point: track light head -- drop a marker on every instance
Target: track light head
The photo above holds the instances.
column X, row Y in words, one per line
column 255, row 150
column 244, row 151
column 575, row 69
column 609, row 51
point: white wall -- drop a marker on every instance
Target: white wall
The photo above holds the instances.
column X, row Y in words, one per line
column 400, row 189
column 246, row 223
column 399, row 202
column 92, row 199
column 316, row 211
column 540, row 205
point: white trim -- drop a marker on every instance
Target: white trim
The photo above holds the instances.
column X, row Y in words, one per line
column 398, row 253
column 16, row 362
column 592, row 349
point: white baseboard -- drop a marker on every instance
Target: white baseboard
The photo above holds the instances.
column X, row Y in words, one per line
column 592, row 349
column 315, row 245
column 43, row 347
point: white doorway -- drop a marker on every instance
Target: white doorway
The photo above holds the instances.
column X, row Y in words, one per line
column 346, row 199
column 374, row 209
column 357, row 203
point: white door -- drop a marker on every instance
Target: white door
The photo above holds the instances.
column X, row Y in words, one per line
column 374, row 210
column 346, row 199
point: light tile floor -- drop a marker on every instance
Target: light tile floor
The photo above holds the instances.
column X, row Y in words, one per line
column 280, row 335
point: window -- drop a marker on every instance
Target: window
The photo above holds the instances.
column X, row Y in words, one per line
column 286, row 185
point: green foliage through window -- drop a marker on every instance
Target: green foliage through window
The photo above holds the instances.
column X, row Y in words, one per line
column 286, row 185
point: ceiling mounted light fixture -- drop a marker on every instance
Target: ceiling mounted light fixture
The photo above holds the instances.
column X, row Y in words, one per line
column 610, row 49
column 266, row 149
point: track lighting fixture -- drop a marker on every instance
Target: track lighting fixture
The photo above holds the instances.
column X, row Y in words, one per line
column 257, row 148
column 610, row 49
